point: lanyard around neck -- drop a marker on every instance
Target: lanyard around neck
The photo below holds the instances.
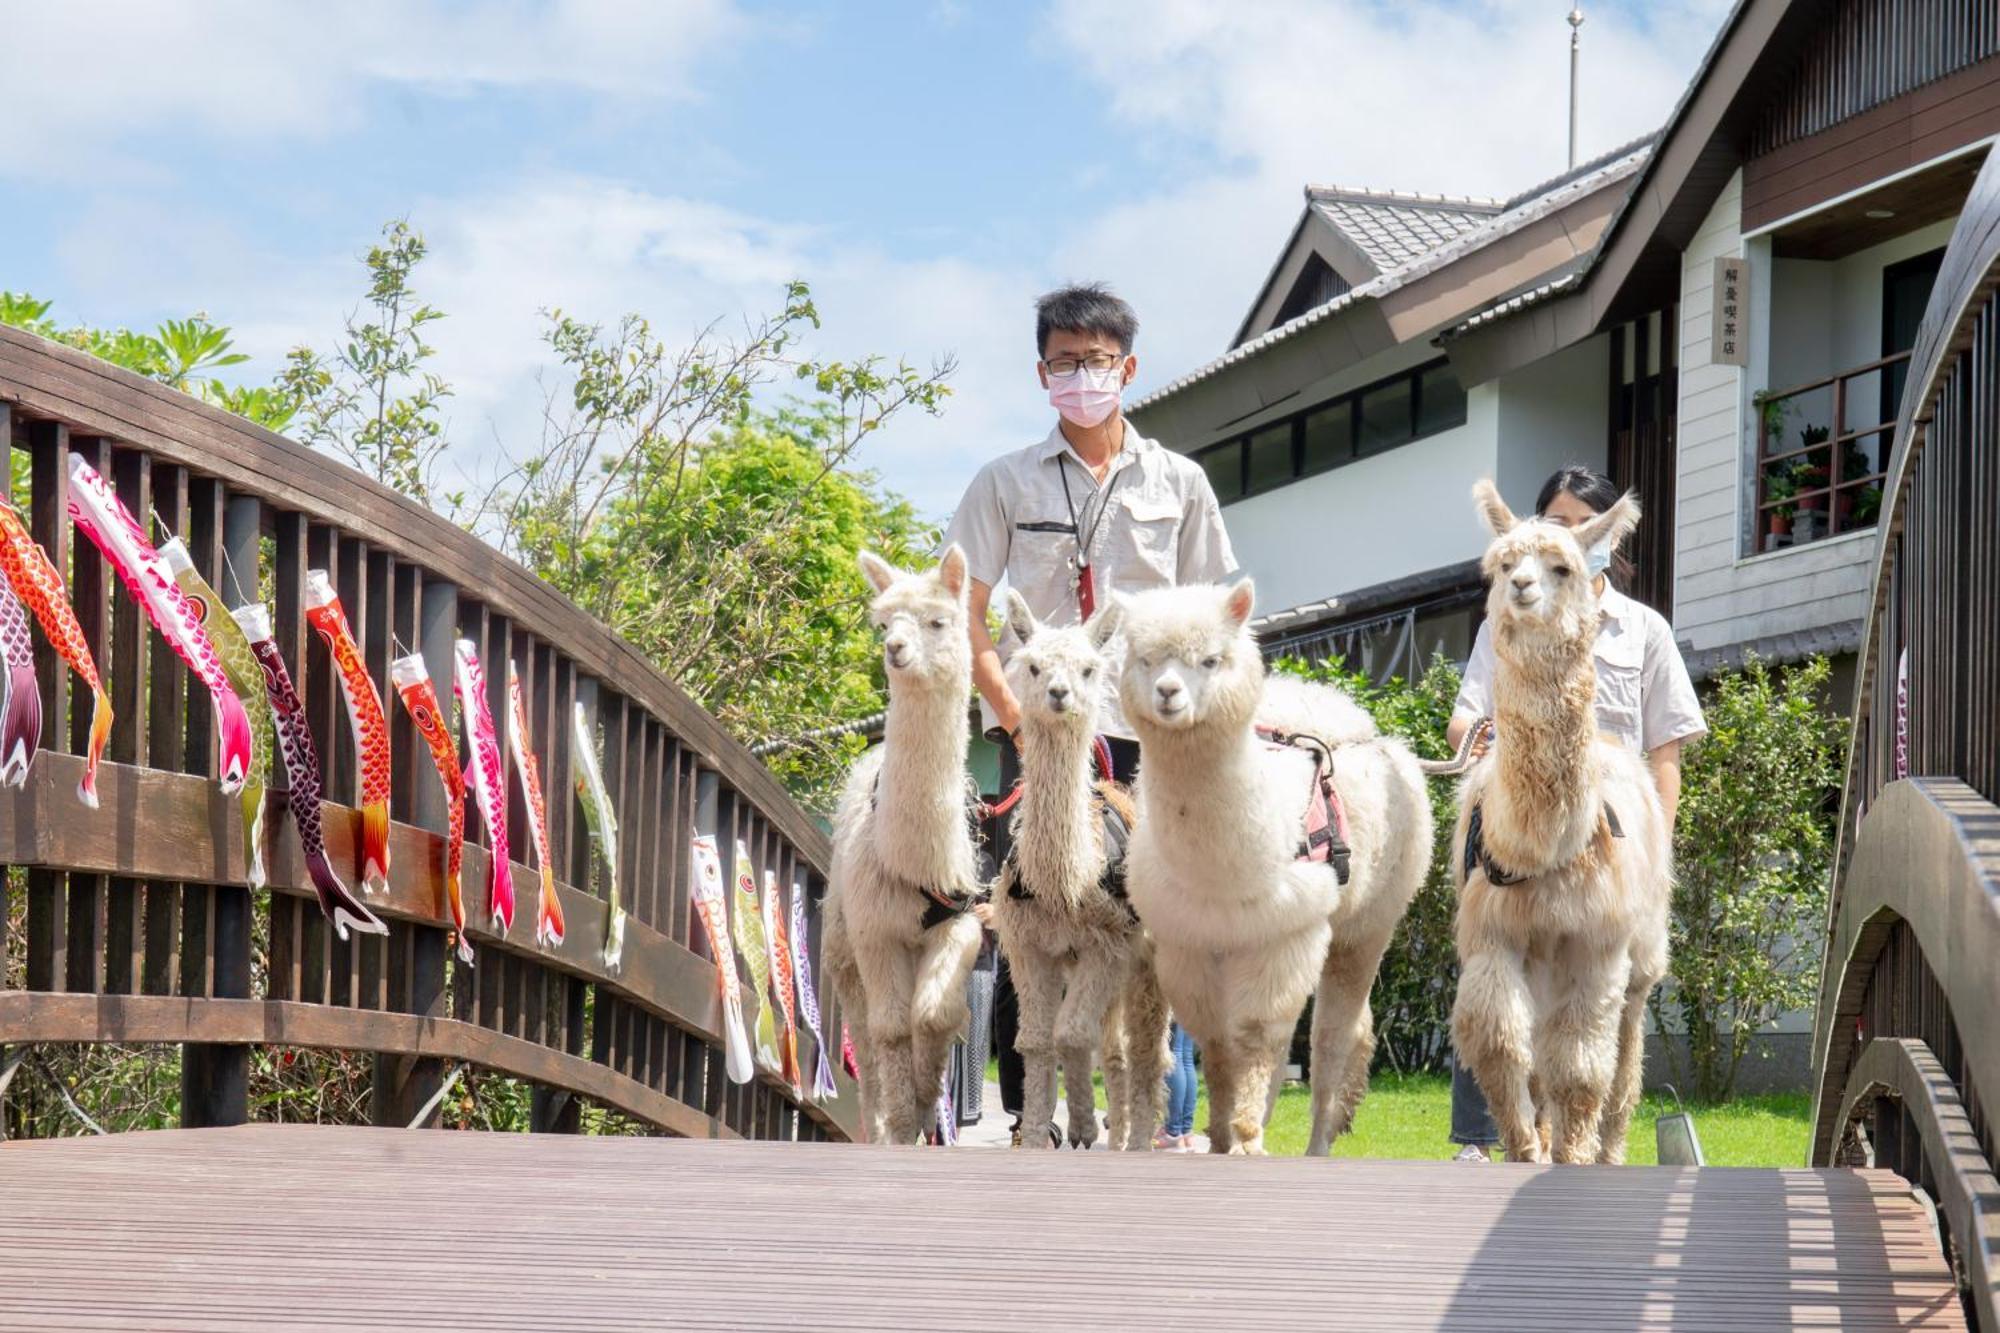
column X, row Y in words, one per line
column 1086, row 539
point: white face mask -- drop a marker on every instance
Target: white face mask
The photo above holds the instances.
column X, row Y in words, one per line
column 1085, row 397
column 1597, row 559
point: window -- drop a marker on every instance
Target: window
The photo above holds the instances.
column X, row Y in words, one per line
column 1335, row 433
column 1329, row 438
column 1271, row 457
column 1385, row 416
column 1224, row 465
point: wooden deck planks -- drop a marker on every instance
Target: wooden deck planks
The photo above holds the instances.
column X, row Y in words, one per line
column 294, row 1226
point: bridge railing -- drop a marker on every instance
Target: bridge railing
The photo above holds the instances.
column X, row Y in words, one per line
column 1907, row 1044
column 137, row 924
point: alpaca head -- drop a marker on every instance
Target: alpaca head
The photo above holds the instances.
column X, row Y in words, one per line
column 1536, row 575
column 1190, row 660
column 921, row 618
column 1058, row 674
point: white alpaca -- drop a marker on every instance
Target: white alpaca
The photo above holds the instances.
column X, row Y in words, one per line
column 1562, row 923
column 1079, row 958
column 899, row 943
column 1243, row 929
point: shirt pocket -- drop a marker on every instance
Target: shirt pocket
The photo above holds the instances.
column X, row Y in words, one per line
column 1621, row 666
column 1038, row 559
column 1152, row 534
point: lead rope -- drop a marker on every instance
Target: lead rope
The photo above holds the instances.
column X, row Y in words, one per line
column 1463, row 760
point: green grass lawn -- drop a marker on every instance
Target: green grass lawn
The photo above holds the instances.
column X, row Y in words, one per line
column 1408, row 1117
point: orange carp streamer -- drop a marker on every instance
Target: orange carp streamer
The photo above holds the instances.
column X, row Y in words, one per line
column 364, row 715
column 35, row 581
column 412, row 680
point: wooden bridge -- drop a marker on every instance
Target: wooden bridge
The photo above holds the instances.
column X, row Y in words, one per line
column 138, row 930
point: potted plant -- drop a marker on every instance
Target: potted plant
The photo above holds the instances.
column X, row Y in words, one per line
column 1780, row 485
column 1772, row 413
column 1867, row 506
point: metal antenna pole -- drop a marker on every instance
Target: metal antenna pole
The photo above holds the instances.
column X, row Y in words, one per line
column 1575, row 32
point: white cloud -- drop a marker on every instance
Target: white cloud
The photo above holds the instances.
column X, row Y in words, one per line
column 83, row 75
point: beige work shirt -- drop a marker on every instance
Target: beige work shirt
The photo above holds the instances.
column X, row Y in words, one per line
column 1644, row 696
column 1162, row 528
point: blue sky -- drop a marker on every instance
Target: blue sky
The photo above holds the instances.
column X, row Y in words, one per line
column 927, row 166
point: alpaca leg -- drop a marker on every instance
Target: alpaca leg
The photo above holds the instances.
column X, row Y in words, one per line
column 1144, row 1011
column 888, row 978
column 1221, row 1060
column 938, row 1011
column 1261, row 1060
column 1577, row 1049
column 1093, row 984
column 1117, row 1077
column 1343, row 1042
column 1080, row 1093
column 1625, row 1082
column 1038, row 985
column 874, row 1119
column 1492, row 1026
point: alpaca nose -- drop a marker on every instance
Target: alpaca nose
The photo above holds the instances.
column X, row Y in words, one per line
column 1169, row 692
column 898, row 650
column 1058, row 695
column 1523, row 582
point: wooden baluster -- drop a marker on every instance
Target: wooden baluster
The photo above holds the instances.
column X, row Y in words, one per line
column 124, row 932
column 48, row 890
column 90, row 596
column 475, row 990
column 166, row 748
column 348, row 569
column 372, row 623
column 291, row 554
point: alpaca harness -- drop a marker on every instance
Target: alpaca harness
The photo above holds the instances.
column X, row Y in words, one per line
column 1477, row 855
column 1117, row 833
column 1325, row 838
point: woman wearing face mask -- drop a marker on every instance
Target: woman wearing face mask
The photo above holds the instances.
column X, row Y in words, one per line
column 1091, row 509
column 1644, row 699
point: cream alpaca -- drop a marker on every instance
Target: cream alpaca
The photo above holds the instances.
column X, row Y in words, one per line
column 1079, row 958
column 902, row 841
column 1243, row 930
column 1555, row 968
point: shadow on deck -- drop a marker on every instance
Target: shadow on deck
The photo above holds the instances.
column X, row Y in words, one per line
column 268, row 1226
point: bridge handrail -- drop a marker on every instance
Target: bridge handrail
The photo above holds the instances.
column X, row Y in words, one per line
column 150, row 884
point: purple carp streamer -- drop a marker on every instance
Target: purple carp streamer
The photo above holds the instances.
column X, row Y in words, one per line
column 21, row 731
column 100, row 515
column 295, row 742
column 823, row 1085
column 489, row 778
column 246, row 677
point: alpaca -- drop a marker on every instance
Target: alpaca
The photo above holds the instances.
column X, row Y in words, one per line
column 1242, row 927
column 899, row 942
column 1079, row 958
column 1562, row 918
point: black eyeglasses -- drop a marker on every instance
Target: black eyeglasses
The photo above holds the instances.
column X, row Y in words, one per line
column 1069, row 365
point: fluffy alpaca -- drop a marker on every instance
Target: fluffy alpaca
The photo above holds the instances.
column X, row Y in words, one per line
column 1079, row 958
column 901, row 841
column 1242, row 929
column 1555, row 969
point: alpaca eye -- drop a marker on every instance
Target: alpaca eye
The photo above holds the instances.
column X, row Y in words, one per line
column 1034, row 670
column 1210, row 663
column 1506, row 566
column 1088, row 672
column 937, row 624
column 1562, row 571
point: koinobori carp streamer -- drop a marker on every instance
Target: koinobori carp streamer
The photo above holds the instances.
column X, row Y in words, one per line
column 749, row 914
column 603, row 822
column 295, row 741
column 823, row 1085
column 246, row 677
column 21, row 721
column 412, row 680
column 364, row 715
column 713, row 905
column 35, row 581
column 548, row 907
column 100, row 515
column 779, row 946
column 489, row 778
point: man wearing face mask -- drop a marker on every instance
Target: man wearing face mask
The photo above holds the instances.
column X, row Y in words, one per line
column 1091, row 509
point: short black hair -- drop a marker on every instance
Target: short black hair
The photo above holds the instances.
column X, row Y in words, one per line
column 1087, row 307
column 1600, row 493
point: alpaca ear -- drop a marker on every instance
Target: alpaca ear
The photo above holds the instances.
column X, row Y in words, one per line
column 1486, row 498
column 1021, row 622
column 1610, row 527
column 879, row 572
column 1104, row 626
column 951, row 570
column 1240, row 602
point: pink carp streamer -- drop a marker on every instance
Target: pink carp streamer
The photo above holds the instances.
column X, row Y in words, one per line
column 295, row 742
column 848, row 1059
column 364, row 715
column 100, row 515
column 21, row 730
column 779, row 946
column 710, row 901
column 489, row 778
column 823, row 1084
column 548, row 908
column 412, row 680
column 246, row 677
column 35, row 581
column 756, row 957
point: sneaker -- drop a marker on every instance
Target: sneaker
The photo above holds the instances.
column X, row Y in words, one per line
column 1472, row 1152
column 1162, row 1141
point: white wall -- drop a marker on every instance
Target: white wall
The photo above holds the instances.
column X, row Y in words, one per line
column 1386, row 517
column 1720, row 597
column 1556, row 411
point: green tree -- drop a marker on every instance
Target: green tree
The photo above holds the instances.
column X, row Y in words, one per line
column 1752, row 858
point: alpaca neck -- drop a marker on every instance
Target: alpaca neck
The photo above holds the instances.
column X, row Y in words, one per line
column 1544, row 802
column 1056, row 830
column 920, row 794
column 1186, row 768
